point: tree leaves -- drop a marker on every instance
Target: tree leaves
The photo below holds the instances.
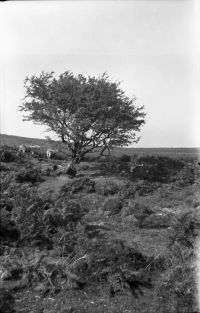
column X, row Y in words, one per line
column 84, row 111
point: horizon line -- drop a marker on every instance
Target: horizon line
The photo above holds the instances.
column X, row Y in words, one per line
column 127, row 147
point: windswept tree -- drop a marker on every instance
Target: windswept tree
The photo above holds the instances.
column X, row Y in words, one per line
column 88, row 114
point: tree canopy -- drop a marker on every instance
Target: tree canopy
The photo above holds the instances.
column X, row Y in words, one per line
column 87, row 113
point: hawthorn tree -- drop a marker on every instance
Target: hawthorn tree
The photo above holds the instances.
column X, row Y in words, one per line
column 86, row 113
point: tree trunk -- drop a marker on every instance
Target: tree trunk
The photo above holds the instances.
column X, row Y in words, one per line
column 63, row 138
column 104, row 149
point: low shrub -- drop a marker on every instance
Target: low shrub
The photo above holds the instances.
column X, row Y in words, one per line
column 28, row 175
column 77, row 185
column 7, row 156
column 107, row 187
column 125, row 158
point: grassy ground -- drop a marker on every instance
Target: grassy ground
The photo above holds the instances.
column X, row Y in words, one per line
column 135, row 215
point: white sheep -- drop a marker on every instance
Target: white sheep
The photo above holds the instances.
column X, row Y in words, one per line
column 50, row 153
column 133, row 167
column 28, row 149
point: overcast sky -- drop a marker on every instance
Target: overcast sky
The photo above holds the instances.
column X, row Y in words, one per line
column 149, row 45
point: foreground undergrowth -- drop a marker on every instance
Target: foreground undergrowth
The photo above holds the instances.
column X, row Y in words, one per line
column 103, row 243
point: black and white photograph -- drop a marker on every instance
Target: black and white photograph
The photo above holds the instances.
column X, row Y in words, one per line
column 100, row 156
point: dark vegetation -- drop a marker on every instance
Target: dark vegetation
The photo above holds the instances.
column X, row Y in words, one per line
column 106, row 241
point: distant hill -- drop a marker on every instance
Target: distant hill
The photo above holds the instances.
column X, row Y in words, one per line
column 11, row 140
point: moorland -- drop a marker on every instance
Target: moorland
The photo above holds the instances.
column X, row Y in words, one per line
column 106, row 240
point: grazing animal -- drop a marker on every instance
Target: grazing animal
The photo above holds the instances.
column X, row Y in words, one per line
column 28, row 149
column 133, row 167
column 50, row 153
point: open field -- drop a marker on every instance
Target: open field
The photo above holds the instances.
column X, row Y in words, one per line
column 106, row 240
